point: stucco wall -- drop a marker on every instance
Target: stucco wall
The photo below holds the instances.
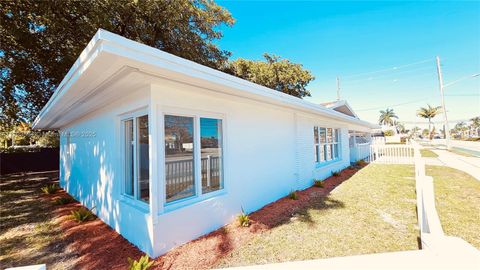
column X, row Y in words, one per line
column 268, row 152
column 91, row 173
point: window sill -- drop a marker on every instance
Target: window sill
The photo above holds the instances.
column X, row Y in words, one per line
column 181, row 203
column 139, row 205
column 327, row 164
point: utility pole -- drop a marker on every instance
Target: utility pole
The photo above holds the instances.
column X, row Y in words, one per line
column 445, row 118
column 338, row 88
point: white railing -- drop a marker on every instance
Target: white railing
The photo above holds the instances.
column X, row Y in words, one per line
column 378, row 140
column 359, row 151
column 392, row 154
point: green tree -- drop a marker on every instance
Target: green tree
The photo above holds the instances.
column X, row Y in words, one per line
column 475, row 122
column 275, row 73
column 40, row 40
column 429, row 112
column 387, row 117
column 400, row 127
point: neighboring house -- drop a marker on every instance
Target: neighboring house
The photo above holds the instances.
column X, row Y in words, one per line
column 168, row 150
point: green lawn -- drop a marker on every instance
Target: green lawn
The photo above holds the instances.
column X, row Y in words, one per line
column 428, row 153
column 457, row 196
column 374, row 211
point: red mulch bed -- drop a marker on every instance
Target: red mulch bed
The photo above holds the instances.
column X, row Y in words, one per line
column 99, row 247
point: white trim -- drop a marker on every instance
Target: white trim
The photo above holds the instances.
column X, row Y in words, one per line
column 135, row 199
column 199, row 195
column 162, row 61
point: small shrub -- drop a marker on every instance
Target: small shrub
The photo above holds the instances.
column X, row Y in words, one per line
column 143, row 263
column 388, row 133
column 351, row 167
column 49, row 189
column 243, row 219
column 293, row 195
column 63, row 200
column 335, row 174
column 360, row 162
column 82, row 214
column 318, row 183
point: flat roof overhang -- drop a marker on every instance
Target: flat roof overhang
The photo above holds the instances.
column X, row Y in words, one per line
column 111, row 65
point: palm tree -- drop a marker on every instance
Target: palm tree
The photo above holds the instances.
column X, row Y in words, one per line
column 386, row 117
column 429, row 113
column 400, row 127
column 475, row 122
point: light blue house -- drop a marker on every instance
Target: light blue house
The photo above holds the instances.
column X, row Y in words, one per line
column 168, row 150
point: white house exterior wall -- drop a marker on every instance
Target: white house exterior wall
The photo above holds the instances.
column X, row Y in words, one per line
column 268, row 152
column 92, row 172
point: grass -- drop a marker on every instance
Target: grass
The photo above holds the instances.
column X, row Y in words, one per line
column 428, row 153
column 374, row 211
column 457, row 196
column 28, row 233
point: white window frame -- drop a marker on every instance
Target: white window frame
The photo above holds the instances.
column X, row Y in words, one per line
column 199, row 196
column 135, row 199
column 336, row 133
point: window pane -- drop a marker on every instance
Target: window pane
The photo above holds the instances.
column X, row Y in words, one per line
column 329, row 135
column 322, row 153
column 179, row 167
column 329, row 151
column 128, row 125
column 336, row 151
column 143, row 158
column 337, row 135
column 322, row 135
column 315, row 134
column 211, row 154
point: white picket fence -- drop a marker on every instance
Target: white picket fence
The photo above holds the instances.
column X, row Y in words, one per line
column 392, row 153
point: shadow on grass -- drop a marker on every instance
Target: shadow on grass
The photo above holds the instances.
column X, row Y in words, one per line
column 285, row 209
column 27, row 231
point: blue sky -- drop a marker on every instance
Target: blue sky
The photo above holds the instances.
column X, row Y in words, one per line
column 384, row 52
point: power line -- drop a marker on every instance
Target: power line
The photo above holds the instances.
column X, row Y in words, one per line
column 394, row 74
column 394, row 105
column 389, row 69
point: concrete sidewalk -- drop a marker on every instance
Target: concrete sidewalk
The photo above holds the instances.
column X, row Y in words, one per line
column 418, row 259
column 470, row 165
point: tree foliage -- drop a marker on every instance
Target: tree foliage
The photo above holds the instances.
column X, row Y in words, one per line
column 40, row 40
column 387, row 117
column 429, row 112
column 275, row 73
column 475, row 122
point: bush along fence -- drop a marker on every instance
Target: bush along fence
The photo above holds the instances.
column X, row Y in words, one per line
column 42, row 159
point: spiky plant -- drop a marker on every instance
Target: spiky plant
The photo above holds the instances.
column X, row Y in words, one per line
column 63, row 200
column 243, row 219
column 82, row 214
column 49, row 189
column 318, row 183
column 293, row 195
column 143, row 263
